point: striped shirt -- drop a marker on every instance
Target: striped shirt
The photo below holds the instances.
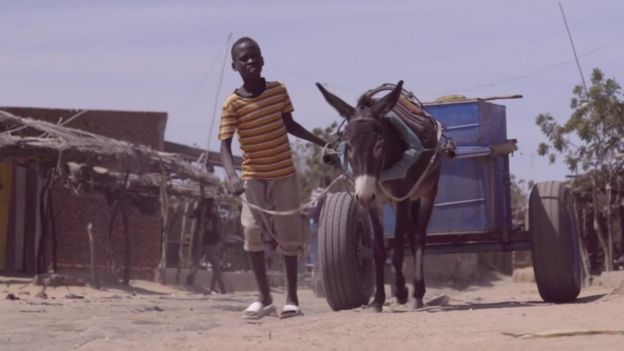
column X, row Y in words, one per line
column 261, row 132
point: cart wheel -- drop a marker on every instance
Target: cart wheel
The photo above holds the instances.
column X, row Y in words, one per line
column 345, row 252
column 555, row 248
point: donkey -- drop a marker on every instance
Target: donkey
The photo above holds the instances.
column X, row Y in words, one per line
column 373, row 144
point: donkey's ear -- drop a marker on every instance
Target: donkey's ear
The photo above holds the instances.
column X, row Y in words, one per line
column 386, row 103
column 344, row 109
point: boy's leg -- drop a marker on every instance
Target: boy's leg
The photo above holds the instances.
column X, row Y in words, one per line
column 218, row 271
column 214, row 256
column 289, row 231
column 259, row 268
column 252, row 225
column 291, row 280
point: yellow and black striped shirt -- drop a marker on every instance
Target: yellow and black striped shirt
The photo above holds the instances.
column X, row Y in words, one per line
column 261, row 131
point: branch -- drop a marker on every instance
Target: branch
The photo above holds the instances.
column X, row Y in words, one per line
column 84, row 147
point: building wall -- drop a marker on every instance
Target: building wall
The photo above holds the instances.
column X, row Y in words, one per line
column 74, row 212
column 6, row 176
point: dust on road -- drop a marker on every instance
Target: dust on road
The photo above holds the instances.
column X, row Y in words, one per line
column 154, row 317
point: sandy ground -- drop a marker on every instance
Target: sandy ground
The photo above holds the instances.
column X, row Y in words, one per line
column 152, row 317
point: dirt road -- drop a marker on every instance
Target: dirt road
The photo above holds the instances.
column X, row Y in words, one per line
column 154, row 317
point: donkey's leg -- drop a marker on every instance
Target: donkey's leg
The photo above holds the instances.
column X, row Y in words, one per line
column 402, row 224
column 379, row 252
column 421, row 214
column 411, row 233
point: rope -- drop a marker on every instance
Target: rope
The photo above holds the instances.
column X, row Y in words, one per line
column 301, row 207
column 327, row 150
column 216, row 100
column 409, row 194
column 432, row 160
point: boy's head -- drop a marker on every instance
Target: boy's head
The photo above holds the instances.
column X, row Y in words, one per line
column 247, row 58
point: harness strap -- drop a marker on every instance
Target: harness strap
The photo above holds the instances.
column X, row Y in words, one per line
column 409, row 156
column 432, row 160
column 295, row 210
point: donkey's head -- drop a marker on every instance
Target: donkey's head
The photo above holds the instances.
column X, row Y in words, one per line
column 364, row 138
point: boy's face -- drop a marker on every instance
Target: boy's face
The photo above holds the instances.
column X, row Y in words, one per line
column 247, row 60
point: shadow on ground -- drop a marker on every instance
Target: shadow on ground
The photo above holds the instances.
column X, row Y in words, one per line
column 505, row 304
column 484, row 278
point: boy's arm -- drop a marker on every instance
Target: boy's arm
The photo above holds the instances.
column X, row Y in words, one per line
column 297, row 130
column 236, row 185
column 294, row 128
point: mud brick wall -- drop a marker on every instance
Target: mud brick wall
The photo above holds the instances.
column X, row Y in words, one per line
column 73, row 212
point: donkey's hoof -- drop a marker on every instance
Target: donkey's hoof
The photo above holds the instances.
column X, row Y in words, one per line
column 375, row 307
column 418, row 304
column 401, row 295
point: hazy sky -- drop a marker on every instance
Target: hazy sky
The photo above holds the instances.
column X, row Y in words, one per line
column 167, row 55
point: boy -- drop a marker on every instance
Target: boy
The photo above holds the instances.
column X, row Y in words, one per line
column 260, row 112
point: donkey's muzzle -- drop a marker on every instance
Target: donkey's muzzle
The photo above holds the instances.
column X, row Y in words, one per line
column 365, row 189
column 365, row 201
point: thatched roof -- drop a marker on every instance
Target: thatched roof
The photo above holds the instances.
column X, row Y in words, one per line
column 81, row 157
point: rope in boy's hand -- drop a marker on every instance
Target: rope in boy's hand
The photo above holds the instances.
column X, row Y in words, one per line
column 299, row 209
column 329, row 155
column 236, row 185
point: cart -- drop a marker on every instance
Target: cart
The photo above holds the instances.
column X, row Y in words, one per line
column 472, row 214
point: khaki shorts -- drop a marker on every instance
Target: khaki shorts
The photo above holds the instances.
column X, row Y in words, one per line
column 276, row 195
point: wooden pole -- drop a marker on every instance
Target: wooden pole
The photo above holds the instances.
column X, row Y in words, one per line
column 94, row 277
column 580, row 223
column 110, row 262
column 609, row 218
column 193, row 239
column 198, row 242
column 187, row 204
column 164, row 214
column 52, row 219
column 127, row 243
column 596, row 223
column 43, row 220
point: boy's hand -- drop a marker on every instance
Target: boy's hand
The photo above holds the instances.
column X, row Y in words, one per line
column 330, row 157
column 236, row 185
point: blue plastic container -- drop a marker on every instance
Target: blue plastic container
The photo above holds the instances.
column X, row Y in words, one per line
column 473, row 194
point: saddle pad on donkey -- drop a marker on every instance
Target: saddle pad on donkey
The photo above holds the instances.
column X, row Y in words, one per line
column 418, row 120
column 395, row 182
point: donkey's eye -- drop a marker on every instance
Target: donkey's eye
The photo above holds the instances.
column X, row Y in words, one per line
column 377, row 148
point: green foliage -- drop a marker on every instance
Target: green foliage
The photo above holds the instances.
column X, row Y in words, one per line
column 591, row 143
column 519, row 199
column 310, row 166
column 593, row 134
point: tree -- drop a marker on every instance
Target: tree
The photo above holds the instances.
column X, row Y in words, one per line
column 591, row 144
column 309, row 163
column 519, row 200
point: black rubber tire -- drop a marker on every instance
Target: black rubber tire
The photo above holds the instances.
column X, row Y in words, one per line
column 345, row 253
column 555, row 243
